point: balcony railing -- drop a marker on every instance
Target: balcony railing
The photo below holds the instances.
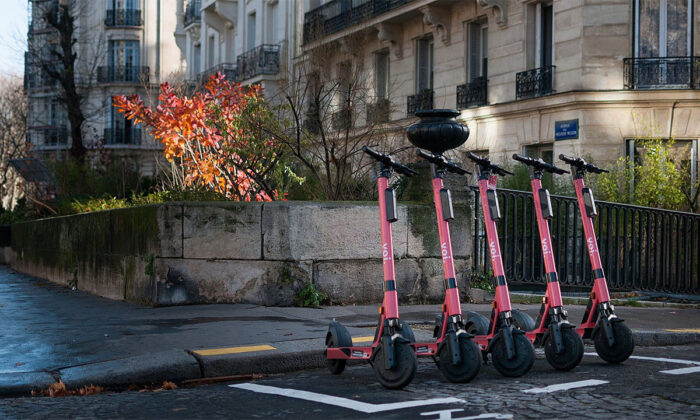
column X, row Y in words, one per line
column 123, row 17
column 229, row 70
column 39, row 80
column 378, row 112
column 122, row 135
column 264, row 59
column 337, row 15
column 534, row 83
column 123, row 74
column 420, row 101
column 472, row 94
column 193, row 12
column 662, row 73
column 53, row 136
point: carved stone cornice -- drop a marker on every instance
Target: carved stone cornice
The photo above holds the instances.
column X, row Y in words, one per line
column 391, row 34
column 438, row 19
column 500, row 10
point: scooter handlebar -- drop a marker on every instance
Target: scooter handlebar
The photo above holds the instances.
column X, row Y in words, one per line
column 387, row 160
column 442, row 162
column 539, row 164
column 582, row 164
column 486, row 164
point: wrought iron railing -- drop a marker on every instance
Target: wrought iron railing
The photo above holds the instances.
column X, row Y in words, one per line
column 123, row 74
column 229, row 70
column 264, row 59
column 193, row 12
column 534, row 83
column 123, row 17
column 420, row 101
column 642, row 248
column 337, row 15
column 39, row 79
column 379, row 111
column 123, row 135
column 54, row 136
column 472, row 94
column 662, row 73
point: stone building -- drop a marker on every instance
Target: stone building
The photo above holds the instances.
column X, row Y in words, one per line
column 123, row 47
column 537, row 77
column 248, row 41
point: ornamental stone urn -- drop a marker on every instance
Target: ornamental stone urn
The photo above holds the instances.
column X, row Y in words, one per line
column 437, row 131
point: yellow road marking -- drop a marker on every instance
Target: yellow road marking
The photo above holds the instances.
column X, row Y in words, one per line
column 233, row 350
column 367, row 339
column 692, row 330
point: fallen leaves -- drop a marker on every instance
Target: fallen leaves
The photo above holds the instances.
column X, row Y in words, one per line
column 59, row 389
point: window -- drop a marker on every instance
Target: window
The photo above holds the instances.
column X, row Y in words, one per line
column 478, row 50
column 381, row 75
column 684, row 152
column 663, row 28
column 545, row 35
column 196, row 59
column 123, row 4
column 271, row 23
column 250, row 42
column 124, row 55
column 121, row 130
column 424, row 64
column 344, row 84
column 211, row 51
column 544, row 151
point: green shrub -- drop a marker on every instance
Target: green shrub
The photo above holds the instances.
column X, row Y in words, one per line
column 310, row 297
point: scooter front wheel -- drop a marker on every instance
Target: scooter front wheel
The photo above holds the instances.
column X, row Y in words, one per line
column 571, row 354
column 467, row 368
column 623, row 347
column 404, row 367
column 520, row 364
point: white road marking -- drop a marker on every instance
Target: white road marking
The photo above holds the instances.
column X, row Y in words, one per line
column 565, row 386
column 682, row 371
column 447, row 415
column 342, row 402
column 657, row 359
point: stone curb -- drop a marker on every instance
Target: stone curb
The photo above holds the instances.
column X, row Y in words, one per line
column 178, row 365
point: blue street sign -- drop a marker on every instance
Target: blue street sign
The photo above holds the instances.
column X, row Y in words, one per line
column 566, row 130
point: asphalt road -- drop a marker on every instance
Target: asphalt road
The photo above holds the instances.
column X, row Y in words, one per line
column 636, row 389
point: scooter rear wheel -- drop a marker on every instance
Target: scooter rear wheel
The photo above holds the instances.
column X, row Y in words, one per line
column 403, row 371
column 407, row 332
column 522, row 321
column 469, row 366
column 572, row 353
column 518, row 365
column 623, row 347
column 338, row 336
column 476, row 324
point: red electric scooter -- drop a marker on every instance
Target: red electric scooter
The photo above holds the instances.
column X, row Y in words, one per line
column 458, row 355
column 613, row 339
column 391, row 354
column 563, row 346
column 511, row 351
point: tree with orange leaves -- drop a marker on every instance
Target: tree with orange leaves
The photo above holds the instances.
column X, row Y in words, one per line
column 219, row 138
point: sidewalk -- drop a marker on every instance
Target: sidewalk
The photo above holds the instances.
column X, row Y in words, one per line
column 52, row 333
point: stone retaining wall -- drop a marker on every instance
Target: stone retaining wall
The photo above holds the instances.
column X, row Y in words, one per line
column 261, row 253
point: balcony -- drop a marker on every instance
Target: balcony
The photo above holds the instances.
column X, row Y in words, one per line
column 123, row 74
column 229, row 70
column 53, row 136
column 264, row 59
column 662, row 73
column 123, row 136
column 534, row 83
column 39, row 80
column 193, row 12
column 419, row 102
column 470, row 95
column 123, row 17
column 378, row 112
column 337, row 15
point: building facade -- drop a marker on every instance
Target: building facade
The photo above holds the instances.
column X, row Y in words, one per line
column 248, row 41
column 537, row 77
column 123, row 47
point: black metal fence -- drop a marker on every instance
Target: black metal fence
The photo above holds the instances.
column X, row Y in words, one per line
column 472, row 94
column 123, row 74
column 123, row 17
column 193, row 12
column 263, row 59
column 420, row 101
column 641, row 248
column 662, row 73
column 534, row 83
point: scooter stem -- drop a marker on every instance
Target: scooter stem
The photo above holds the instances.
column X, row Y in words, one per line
column 390, row 304
column 553, row 288
column 600, row 285
column 452, row 302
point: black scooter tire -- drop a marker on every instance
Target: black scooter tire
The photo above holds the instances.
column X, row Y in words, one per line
column 337, row 336
column 520, row 364
column 476, row 324
column 572, row 354
column 407, row 332
column 522, row 320
column 404, row 370
column 467, row 369
column 623, row 347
